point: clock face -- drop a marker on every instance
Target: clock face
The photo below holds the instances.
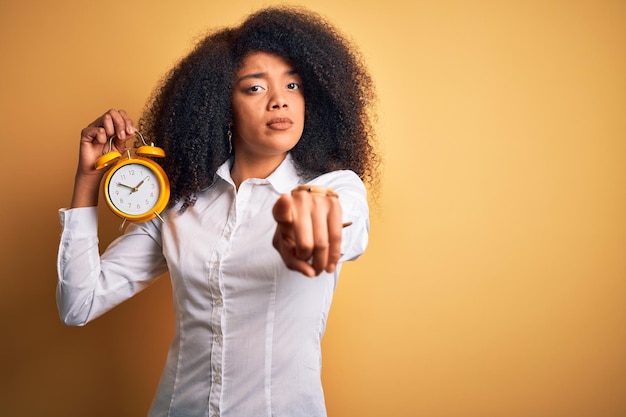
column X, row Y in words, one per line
column 133, row 189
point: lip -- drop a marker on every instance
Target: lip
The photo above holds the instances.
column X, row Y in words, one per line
column 280, row 123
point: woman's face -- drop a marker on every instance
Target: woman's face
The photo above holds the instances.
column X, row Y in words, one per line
column 268, row 107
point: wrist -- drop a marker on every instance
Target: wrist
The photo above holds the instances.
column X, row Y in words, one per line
column 86, row 190
column 316, row 189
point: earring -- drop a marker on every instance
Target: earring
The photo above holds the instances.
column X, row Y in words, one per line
column 229, row 134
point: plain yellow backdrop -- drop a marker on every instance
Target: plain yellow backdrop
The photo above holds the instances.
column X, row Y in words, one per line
column 495, row 281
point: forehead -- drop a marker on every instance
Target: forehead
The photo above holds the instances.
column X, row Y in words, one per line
column 263, row 62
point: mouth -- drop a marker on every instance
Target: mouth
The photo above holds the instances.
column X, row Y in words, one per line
column 280, row 123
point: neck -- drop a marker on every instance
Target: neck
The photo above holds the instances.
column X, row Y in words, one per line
column 245, row 167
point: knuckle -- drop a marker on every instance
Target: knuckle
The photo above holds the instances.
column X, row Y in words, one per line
column 335, row 234
column 334, row 256
column 321, row 244
column 305, row 249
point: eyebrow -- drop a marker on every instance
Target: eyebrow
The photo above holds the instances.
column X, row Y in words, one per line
column 262, row 75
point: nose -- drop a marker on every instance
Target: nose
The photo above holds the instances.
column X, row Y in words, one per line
column 277, row 100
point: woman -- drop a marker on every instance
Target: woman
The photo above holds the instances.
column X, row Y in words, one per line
column 252, row 114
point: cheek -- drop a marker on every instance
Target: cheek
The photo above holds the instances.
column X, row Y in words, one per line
column 242, row 117
column 301, row 109
column 245, row 122
column 236, row 109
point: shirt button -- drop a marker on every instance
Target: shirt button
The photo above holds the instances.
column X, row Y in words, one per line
column 218, row 339
column 218, row 302
column 217, row 379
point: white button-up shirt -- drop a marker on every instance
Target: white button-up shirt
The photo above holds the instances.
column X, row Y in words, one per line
column 247, row 329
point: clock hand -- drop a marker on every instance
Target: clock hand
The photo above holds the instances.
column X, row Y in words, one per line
column 136, row 188
column 119, row 184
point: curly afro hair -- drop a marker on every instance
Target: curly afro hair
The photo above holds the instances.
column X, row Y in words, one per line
column 190, row 111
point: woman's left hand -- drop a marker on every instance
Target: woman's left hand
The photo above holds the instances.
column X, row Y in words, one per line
column 308, row 231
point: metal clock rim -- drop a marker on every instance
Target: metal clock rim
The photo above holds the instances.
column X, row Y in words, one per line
column 164, row 185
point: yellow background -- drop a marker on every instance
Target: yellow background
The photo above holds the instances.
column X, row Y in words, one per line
column 495, row 282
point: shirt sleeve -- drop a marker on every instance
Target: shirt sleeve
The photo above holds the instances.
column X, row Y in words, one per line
column 353, row 198
column 90, row 284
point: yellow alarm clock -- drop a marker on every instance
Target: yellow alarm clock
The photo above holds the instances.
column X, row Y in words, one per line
column 135, row 188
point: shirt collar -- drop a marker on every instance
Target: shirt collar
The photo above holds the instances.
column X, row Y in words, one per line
column 284, row 178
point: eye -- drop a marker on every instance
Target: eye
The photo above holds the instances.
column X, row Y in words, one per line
column 293, row 86
column 254, row 89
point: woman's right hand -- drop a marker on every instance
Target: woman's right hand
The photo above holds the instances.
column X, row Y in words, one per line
column 93, row 140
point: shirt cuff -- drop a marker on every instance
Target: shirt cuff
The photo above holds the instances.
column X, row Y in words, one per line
column 82, row 221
